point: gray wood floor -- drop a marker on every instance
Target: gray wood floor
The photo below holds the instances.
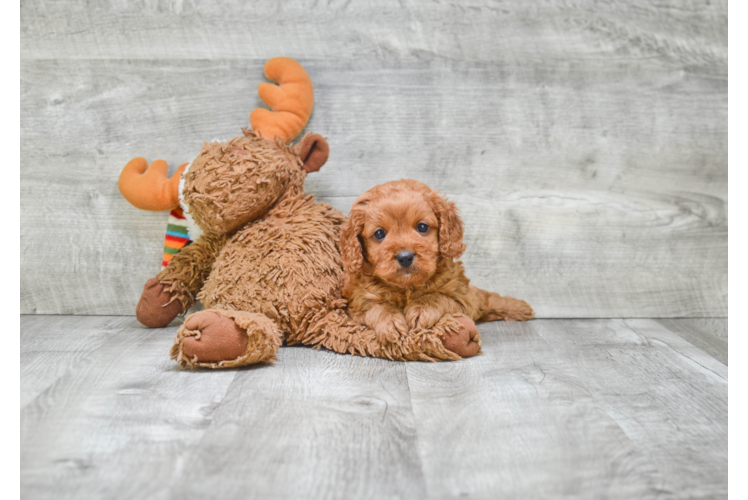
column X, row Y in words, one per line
column 609, row 408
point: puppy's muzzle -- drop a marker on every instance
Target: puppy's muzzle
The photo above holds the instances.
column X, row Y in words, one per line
column 405, row 259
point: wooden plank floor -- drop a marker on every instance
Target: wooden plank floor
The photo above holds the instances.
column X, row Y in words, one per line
column 609, row 408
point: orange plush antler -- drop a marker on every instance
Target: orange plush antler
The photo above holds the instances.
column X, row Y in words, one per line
column 150, row 188
column 291, row 100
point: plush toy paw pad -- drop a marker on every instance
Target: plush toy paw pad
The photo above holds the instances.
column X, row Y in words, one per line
column 155, row 308
column 215, row 338
column 464, row 342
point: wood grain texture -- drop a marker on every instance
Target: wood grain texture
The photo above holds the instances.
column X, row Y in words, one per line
column 474, row 30
column 51, row 346
column 585, row 144
column 582, row 409
column 552, row 408
column 707, row 334
column 118, row 424
column 315, row 425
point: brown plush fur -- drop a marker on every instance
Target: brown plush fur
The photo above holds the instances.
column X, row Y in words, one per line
column 268, row 268
column 394, row 299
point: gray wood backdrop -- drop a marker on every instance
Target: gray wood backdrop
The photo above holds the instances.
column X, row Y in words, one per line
column 585, row 142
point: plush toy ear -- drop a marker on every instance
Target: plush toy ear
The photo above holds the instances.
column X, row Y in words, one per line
column 450, row 226
column 314, row 152
column 351, row 252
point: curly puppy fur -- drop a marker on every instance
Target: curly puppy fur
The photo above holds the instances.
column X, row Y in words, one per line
column 398, row 251
column 268, row 267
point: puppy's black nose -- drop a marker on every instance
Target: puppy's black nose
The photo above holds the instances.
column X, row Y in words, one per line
column 405, row 259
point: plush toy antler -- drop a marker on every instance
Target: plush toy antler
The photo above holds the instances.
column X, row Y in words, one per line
column 150, row 188
column 291, row 100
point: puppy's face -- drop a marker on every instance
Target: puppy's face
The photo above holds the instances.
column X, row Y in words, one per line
column 398, row 231
column 401, row 239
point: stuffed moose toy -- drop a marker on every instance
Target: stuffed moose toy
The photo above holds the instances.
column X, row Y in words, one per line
column 267, row 263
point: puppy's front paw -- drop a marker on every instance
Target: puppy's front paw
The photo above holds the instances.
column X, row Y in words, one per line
column 422, row 317
column 390, row 328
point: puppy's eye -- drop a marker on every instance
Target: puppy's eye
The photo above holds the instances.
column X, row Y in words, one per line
column 422, row 228
column 379, row 234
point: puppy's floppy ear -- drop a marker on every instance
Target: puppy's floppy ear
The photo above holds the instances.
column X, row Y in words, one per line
column 450, row 226
column 351, row 253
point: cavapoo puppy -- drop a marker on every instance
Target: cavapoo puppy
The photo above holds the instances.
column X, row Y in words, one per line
column 398, row 250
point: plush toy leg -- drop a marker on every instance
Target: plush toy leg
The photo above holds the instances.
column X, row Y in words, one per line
column 495, row 307
column 157, row 307
column 465, row 340
column 451, row 338
column 218, row 338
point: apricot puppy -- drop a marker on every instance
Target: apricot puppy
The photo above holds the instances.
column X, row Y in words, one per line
column 398, row 250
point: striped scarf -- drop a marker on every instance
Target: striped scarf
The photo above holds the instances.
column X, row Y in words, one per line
column 176, row 235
